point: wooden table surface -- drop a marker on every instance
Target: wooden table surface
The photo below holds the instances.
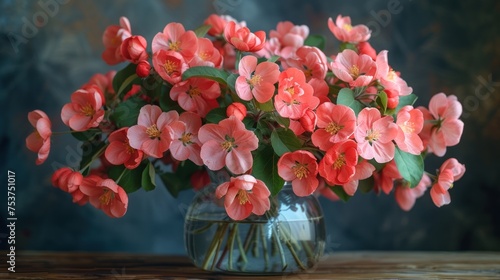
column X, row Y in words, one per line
column 342, row 265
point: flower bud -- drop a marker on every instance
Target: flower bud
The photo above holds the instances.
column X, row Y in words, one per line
column 238, row 110
column 143, row 68
column 133, row 49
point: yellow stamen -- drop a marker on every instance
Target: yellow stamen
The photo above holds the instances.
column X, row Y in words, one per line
column 228, row 145
column 333, row 128
column 290, row 90
column 106, row 197
column 186, row 139
column 391, row 76
column 372, row 136
column 193, row 92
column 354, row 71
column 87, row 110
column 300, row 170
column 242, row 196
column 203, row 55
column 339, row 162
column 170, row 67
column 254, row 81
column 408, row 127
column 128, row 149
column 347, row 27
column 153, row 131
column 174, row 46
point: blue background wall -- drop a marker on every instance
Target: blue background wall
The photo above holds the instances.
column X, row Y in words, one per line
column 450, row 46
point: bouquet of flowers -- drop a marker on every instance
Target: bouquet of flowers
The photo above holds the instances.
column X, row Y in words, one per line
column 266, row 108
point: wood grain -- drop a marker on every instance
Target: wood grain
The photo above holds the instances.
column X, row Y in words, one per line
column 342, row 265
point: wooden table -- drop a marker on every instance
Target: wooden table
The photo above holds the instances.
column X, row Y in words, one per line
column 342, row 265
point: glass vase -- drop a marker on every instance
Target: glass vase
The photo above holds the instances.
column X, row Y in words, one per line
column 288, row 238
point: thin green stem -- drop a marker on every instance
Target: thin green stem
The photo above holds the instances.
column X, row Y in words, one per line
column 280, row 248
column 230, row 241
column 96, row 155
column 243, row 255
column 264, row 245
column 219, row 243
column 212, row 248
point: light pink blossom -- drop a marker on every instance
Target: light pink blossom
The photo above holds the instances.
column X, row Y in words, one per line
column 39, row 140
column 357, row 70
column 256, row 80
column 345, row 32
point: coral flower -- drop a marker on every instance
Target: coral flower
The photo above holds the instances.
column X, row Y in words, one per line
column 374, row 135
column 244, row 195
column 39, row 140
column 406, row 196
column 185, row 143
column 256, row 80
column 112, row 39
column 442, row 128
column 357, row 70
column 364, row 170
column 85, row 110
column 338, row 166
column 175, row 38
column 300, row 168
column 410, row 122
column 206, row 55
column 134, row 50
column 384, row 180
column 290, row 35
column 242, row 39
column 336, row 123
column 388, row 78
column 119, row 150
column 294, row 96
column 311, row 60
column 218, row 23
column 345, row 32
column 152, row 134
column 107, row 195
column 450, row 171
column 66, row 179
column 197, row 95
column 104, row 82
column 228, row 144
column 237, row 109
column 170, row 65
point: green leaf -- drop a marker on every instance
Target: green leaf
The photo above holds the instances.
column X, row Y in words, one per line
column 208, row 72
column 339, row 191
column 411, row 167
column 273, row 58
column 265, row 168
column 179, row 180
column 148, row 177
column 127, row 112
column 90, row 151
column 284, row 140
column 129, row 179
column 406, row 100
column 317, row 41
column 266, row 107
column 382, row 101
column 281, row 120
column 124, row 79
column 346, row 97
column 231, row 81
column 348, row 46
column 85, row 135
column 202, row 30
column 216, row 115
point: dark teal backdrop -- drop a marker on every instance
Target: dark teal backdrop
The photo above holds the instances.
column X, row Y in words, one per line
column 450, row 46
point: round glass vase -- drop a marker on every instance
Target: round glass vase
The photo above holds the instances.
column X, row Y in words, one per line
column 288, row 238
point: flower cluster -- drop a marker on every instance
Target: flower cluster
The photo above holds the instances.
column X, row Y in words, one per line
column 266, row 110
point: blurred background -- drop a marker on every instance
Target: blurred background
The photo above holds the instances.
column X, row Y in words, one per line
column 446, row 46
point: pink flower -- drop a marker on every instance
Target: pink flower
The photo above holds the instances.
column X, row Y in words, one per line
column 300, row 168
column 410, row 122
column 256, row 80
column 119, row 151
column 112, row 39
column 176, row 39
column 170, row 65
column 345, row 32
column 104, row 82
column 236, row 109
column 66, row 179
column 107, row 195
column 406, row 196
column 450, row 171
column 134, row 50
column 152, row 134
column 321, row 89
column 242, row 39
column 357, row 70
column 366, row 48
column 311, row 60
column 218, row 23
column 85, row 110
column 228, row 144
column 336, row 123
column 294, row 96
column 326, row 191
column 206, row 55
column 39, row 140
column 364, row 170
column 197, row 95
column 338, row 166
column 143, row 69
column 374, row 135
column 308, row 121
column 290, row 35
column 384, row 180
column 244, row 195
column 185, row 144
column 388, row 78
column 442, row 128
